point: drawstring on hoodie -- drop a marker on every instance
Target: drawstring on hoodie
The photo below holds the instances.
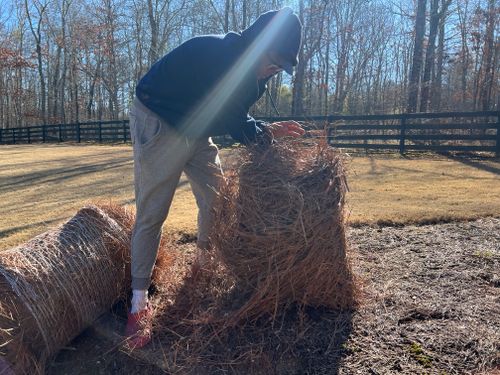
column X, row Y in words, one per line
column 272, row 102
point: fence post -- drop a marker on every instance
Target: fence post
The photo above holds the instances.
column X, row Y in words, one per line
column 100, row 131
column 329, row 136
column 497, row 152
column 29, row 134
column 59, row 128
column 14, row 135
column 78, row 133
column 402, row 135
column 124, row 125
column 44, row 133
column 1, row 135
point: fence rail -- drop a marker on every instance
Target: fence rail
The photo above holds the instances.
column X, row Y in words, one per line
column 447, row 131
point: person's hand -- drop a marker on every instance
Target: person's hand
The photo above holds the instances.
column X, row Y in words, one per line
column 286, row 128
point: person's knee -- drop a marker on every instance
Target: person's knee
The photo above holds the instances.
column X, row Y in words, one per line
column 149, row 222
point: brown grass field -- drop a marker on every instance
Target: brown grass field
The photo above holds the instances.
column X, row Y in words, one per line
column 41, row 185
column 432, row 291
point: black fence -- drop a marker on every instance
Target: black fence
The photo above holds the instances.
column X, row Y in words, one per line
column 95, row 131
column 441, row 132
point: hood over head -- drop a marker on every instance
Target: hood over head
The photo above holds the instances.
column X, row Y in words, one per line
column 277, row 33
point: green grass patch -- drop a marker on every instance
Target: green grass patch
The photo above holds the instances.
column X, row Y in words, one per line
column 418, row 354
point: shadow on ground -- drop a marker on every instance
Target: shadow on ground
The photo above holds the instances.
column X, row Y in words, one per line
column 197, row 340
column 484, row 164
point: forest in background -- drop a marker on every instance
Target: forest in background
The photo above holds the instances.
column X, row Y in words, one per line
column 65, row 61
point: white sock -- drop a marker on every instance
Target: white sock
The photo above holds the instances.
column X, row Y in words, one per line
column 139, row 300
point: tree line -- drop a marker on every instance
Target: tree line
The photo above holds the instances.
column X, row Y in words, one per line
column 75, row 60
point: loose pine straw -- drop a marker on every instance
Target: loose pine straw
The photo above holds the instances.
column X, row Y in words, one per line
column 279, row 249
column 58, row 283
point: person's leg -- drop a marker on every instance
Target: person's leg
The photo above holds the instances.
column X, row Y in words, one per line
column 204, row 173
column 159, row 157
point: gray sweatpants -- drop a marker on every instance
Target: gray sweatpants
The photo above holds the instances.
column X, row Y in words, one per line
column 161, row 154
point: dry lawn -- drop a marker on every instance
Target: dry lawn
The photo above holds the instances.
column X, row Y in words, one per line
column 41, row 185
column 45, row 184
column 422, row 189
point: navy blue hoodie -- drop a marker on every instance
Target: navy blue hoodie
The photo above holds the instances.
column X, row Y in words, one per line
column 183, row 82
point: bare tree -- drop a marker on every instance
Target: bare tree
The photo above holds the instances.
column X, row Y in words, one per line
column 161, row 14
column 416, row 66
column 429, row 55
column 435, row 19
column 438, row 79
column 312, row 18
column 463, row 56
column 487, row 70
column 36, row 30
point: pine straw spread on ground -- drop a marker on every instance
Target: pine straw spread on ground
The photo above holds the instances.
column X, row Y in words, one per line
column 431, row 301
column 435, row 305
column 432, row 306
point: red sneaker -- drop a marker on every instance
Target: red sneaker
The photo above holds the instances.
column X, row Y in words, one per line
column 138, row 330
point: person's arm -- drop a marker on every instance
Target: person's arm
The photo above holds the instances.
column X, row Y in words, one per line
column 247, row 130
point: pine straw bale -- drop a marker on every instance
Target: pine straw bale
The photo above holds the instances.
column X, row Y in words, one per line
column 280, row 228
column 58, row 283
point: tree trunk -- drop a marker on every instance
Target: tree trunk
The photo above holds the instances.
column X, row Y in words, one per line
column 97, row 73
column 488, row 55
column 298, row 81
column 62, row 88
column 226, row 16
column 244, row 15
column 233, row 16
column 416, row 67
column 2, row 100
column 438, row 81
column 55, row 82
column 464, row 52
column 429, row 56
column 327, row 75
column 37, row 34
column 153, row 25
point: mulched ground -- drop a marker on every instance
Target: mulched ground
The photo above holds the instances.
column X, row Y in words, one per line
column 434, row 305
column 431, row 306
